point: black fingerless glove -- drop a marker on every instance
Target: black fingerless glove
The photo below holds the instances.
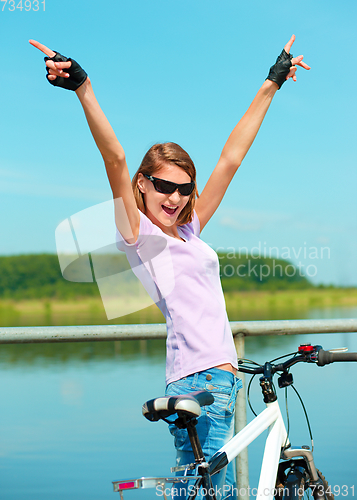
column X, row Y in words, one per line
column 77, row 75
column 281, row 68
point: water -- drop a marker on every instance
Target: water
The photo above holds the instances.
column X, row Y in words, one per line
column 71, row 422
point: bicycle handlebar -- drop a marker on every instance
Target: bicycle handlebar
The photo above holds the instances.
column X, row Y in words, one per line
column 327, row 357
column 306, row 354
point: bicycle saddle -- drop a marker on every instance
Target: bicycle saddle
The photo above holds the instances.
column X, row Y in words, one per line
column 184, row 404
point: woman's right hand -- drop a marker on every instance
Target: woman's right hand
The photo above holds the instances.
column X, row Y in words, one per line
column 61, row 71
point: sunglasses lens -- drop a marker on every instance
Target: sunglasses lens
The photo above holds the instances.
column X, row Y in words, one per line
column 186, row 189
column 164, row 187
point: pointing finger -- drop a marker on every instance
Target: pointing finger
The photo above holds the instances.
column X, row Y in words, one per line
column 43, row 48
column 289, row 44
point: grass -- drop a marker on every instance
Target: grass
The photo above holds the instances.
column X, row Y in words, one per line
column 240, row 306
column 297, row 298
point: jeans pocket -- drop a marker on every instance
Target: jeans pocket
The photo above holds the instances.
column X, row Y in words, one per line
column 221, row 402
column 180, row 435
column 224, row 398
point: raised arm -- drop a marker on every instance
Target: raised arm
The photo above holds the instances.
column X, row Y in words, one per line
column 127, row 219
column 244, row 134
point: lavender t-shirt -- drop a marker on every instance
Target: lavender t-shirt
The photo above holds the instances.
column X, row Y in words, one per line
column 182, row 278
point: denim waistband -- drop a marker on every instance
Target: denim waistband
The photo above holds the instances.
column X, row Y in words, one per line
column 212, row 376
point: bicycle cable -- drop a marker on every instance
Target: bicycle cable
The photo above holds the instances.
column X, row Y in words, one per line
column 248, row 396
column 304, row 409
column 287, row 417
column 285, row 356
column 286, row 396
column 306, row 416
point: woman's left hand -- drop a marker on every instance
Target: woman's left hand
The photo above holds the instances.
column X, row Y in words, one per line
column 295, row 61
column 286, row 65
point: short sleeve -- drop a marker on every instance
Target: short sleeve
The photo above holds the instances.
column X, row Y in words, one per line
column 193, row 226
column 145, row 229
column 196, row 224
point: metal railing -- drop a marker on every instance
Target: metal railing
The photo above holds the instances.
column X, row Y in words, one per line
column 240, row 329
column 41, row 334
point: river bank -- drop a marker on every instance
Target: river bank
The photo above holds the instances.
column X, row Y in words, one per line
column 240, row 306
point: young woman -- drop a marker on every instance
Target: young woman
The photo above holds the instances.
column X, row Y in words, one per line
column 161, row 204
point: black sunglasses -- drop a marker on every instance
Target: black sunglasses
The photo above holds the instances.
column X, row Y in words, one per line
column 167, row 187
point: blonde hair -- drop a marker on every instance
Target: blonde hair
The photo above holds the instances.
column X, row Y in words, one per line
column 154, row 160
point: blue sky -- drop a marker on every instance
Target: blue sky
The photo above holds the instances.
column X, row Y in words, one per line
column 185, row 71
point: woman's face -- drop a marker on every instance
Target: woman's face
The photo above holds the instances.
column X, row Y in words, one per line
column 164, row 209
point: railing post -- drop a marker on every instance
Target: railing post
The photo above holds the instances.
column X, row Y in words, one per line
column 242, row 466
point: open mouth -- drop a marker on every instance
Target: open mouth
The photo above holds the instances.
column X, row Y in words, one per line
column 169, row 210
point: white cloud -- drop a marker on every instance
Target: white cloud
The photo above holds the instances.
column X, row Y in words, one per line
column 251, row 220
column 257, row 220
column 42, row 190
column 13, row 174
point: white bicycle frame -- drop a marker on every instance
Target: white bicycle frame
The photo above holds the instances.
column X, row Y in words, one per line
column 269, row 418
column 277, row 446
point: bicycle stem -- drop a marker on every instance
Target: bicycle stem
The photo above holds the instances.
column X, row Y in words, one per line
column 266, row 384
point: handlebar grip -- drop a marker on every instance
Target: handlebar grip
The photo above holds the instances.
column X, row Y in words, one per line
column 327, row 357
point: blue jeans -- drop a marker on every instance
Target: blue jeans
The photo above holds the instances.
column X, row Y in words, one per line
column 215, row 425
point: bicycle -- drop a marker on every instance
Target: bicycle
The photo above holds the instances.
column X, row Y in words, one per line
column 286, row 473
